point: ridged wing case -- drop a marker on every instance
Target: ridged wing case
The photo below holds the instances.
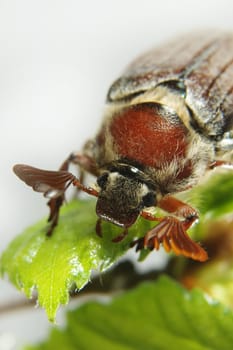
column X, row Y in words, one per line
column 200, row 66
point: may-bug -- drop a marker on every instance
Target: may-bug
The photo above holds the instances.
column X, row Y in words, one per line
column 168, row 120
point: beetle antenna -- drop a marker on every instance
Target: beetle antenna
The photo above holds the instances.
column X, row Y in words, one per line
column 53, row 185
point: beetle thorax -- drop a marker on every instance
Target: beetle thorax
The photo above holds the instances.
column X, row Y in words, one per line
column 154, row 136
column 148, row 133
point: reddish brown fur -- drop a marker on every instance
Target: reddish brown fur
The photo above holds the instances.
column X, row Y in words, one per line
column 148, row 138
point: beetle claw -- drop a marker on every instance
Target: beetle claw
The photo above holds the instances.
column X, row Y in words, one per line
column 120, row 237
column 98, row 228
column 138, row 244
column 170, row 232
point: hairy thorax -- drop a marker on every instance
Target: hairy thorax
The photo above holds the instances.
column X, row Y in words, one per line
column 153, row 135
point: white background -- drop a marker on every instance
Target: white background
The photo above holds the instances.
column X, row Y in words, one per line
column 57, row 60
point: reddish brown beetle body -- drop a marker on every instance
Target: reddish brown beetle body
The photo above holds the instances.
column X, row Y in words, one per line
column 168, row 119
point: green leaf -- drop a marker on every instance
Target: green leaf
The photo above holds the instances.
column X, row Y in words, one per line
column 159, row 316
column 216, row 278
column 214, row 197
column 52, row 265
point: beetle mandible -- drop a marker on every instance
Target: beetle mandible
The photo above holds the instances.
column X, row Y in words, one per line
column 168, row 120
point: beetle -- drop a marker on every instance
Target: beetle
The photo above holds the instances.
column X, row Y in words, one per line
column 168, row 120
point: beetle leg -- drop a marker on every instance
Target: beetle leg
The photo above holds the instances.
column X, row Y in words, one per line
column 220, row 163
column 178, row 208
column 53, row 185
column 84, row 162
column 98, row 228
column 55, row 204
column 121, row 236
column 138, row 244
column 171, row 232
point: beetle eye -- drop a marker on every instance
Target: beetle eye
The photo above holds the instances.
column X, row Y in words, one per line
column 149, row 199
column 102, row 180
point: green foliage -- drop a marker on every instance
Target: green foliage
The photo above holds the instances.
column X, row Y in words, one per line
column 159, row 315
column 213, row 199
column 214, row 196
column 54, row 264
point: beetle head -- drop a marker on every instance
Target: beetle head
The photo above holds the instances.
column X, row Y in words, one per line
column 123, row 195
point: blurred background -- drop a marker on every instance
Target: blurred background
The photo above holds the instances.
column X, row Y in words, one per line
column 57, row 60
